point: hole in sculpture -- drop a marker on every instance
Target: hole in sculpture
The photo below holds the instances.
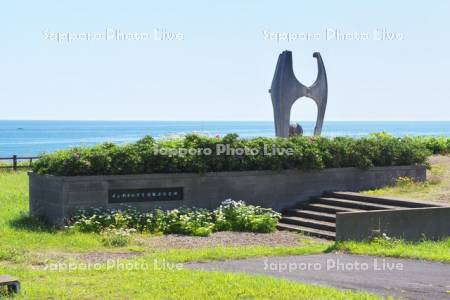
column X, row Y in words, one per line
column 304, row 112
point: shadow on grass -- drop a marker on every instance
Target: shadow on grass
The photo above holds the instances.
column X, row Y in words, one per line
column 29, row 223
column 332, row 248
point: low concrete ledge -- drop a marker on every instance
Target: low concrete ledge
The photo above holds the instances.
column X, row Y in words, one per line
column 396, row 201
column 57, row 198
column 408, row 224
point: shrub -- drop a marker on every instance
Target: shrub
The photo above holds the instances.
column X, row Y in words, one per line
column 404, row 181
column 113, row 237
column 115, row 225
column 307, row 153
column 237, row 216
column 189, row 222
column 436, row 144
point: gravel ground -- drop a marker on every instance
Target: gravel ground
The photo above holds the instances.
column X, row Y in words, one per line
column 226, row 238
column 175, row 241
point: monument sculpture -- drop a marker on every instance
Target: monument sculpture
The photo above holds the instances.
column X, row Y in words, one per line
column 286, row 89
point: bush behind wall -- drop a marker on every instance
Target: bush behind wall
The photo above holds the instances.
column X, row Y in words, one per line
column 308, row 153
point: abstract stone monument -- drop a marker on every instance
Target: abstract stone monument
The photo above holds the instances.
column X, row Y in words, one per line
column 286, row 89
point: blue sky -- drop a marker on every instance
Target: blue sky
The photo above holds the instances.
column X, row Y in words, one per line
column 223, row 65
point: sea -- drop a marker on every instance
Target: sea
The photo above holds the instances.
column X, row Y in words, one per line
column 32, row 138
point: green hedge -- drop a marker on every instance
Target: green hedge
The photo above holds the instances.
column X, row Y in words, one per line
column 437, row 145
column 307, row 153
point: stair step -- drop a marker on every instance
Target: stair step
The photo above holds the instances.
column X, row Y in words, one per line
column 311, row 214
column 318, row 217
column 377, row 200
column 329, row 208
column 353, row 204
column 311, row 223
column 308, row 231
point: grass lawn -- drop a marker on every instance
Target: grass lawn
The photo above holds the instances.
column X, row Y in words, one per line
column 429, row 250
column 26, row 249
column 160, row 284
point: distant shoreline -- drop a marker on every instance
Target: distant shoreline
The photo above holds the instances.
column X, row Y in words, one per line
column 220, row 121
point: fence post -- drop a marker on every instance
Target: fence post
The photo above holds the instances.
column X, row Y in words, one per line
column 14, row 162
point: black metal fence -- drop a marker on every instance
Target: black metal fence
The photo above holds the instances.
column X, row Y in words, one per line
column 15, row 162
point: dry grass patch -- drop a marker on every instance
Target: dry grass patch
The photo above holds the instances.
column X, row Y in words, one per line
column 436, row 188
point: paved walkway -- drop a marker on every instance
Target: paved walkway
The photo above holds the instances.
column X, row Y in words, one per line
column 411, row 279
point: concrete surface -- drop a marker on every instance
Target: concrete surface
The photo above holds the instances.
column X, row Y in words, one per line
column 57, row 197
column 410, row 279
column 406, row 223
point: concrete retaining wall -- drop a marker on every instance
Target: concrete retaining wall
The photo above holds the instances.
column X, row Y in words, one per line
column 57, row 198
column 408, row 224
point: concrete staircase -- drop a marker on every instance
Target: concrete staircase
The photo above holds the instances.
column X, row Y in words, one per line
column 318, row 216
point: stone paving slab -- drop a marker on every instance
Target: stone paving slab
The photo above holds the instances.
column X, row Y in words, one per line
column 406, row 278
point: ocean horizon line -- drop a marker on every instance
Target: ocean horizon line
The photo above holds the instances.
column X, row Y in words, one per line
column 240, row 121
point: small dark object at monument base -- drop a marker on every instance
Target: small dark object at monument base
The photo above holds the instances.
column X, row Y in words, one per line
column 11, row 283
column 295, row 129
column 286, row 89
